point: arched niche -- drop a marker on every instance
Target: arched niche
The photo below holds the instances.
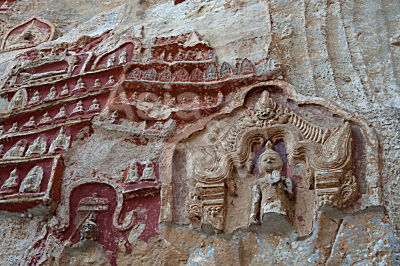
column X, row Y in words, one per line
column 330, row 155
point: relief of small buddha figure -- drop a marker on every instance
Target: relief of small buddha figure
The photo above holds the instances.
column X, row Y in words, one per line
column 32, row 181
column 80, row 86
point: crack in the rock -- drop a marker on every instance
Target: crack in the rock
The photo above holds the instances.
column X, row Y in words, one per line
column 333, row 244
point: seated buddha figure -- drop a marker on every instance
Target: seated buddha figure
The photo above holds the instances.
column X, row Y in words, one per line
column 12, row 180
column 148, row 171
column 18, row 101
column 271, row 195
column 80, row 86
column 35, row 98
column 61, row 142
column 95, row 106
column 16, row 151
column 38, row 147
column 52, row 94
column 78, row 109
column 32, row 181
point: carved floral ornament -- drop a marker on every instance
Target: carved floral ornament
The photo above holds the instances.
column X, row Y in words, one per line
column 277, row 157
column 28, row 34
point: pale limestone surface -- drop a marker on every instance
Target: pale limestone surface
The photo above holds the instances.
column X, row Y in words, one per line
column 340, row 50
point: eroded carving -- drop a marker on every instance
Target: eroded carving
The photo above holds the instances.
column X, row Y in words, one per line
column 6, row 5
column 89, row 229
column 272, row 194
column 38, row 147
column 323, row 153
column 148, row 172
column 16, row 151
column 61, row 142
column 46, row 119
column 32, row 181
column 28, row 34
column 11, row 181
column 132, row 172
column 18, row 101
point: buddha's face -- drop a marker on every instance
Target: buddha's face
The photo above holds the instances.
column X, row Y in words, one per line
column 269, row 161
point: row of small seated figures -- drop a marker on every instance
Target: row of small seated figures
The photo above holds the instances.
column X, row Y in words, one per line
column 30, row 183
column 190, row 55
column 37, row 147
column 196, row 55
column 197, row 75
column 148, row 173
column 17, row 100
column 171, row 101
column 46, row 119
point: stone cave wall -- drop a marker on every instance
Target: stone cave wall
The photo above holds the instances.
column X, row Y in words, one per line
column 132, row 132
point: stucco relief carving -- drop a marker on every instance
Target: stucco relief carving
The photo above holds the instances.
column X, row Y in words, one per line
column 32, row 181
column 271, row 195
column 325, row 154
column 31, row 33
column 159, row 90
column 275, row 161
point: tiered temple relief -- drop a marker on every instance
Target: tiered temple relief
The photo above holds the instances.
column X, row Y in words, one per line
column 272, row 163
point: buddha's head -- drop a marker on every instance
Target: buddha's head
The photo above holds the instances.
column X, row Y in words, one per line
column 269, row 160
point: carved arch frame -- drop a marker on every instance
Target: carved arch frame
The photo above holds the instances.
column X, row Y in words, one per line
column 373, row 197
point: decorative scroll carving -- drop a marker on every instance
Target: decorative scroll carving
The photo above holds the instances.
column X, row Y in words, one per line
column 28, row 34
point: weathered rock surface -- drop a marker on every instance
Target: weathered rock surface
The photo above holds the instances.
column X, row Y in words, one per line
column 131, row 156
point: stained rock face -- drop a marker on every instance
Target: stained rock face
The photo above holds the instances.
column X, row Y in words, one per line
column 199, row 132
